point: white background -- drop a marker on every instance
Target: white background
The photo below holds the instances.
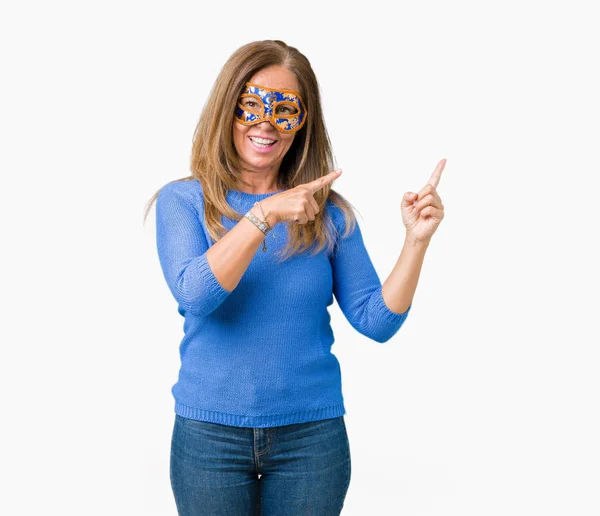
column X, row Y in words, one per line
column 484, row 403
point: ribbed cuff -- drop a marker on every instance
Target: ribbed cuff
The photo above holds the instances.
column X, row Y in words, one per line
column 385, row 312
column 383, row 323
column 215, row 290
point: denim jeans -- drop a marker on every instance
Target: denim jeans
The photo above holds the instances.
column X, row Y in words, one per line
column 221, row 470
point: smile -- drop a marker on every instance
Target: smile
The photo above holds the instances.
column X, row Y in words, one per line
column 262, row 143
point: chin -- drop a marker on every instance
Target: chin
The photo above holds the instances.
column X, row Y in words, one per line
column 261, row 163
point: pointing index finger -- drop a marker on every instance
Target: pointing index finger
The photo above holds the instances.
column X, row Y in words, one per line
column 434, row 180
column 323, row 181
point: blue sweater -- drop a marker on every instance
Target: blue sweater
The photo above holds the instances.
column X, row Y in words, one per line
column 260, row 355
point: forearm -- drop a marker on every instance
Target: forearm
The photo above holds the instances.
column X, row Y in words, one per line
column 399, row 288
column 230, row 257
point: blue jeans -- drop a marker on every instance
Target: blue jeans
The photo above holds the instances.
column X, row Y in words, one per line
column 221, row 470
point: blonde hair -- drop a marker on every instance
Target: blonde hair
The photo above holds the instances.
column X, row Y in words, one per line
column 215, row 162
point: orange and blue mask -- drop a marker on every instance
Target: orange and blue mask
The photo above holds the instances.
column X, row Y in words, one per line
column 283, row 108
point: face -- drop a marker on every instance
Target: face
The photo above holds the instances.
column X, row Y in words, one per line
column 261, row 146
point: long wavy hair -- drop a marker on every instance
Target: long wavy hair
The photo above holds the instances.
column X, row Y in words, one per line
column 216, row 163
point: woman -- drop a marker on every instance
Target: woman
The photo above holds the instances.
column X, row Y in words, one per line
column 253, row 246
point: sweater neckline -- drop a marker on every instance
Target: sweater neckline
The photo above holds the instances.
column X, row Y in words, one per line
column 252, row 196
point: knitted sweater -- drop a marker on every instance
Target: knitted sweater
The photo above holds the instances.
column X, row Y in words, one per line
column 260, row 355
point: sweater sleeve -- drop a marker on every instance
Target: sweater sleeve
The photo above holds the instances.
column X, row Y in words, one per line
column 358, row 289
column 182, row 247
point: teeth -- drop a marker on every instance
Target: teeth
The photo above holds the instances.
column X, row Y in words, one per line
column 263, row 141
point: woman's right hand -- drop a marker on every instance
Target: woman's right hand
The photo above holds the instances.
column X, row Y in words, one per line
column 297, row 204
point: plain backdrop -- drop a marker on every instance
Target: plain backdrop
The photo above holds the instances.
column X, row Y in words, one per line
column 486, row 400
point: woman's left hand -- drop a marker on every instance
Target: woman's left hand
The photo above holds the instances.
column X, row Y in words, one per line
column 423, row 212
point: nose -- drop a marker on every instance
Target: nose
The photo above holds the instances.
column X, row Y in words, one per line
column 266, row 125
